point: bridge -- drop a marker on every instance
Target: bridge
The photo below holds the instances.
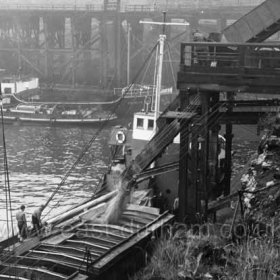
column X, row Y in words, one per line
column 87, row 43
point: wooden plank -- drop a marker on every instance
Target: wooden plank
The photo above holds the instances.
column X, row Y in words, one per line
column 111, row 227
column 36, row 271
column 216, row 205
column 58, row 239
column 116, row 253
column 9, row 277
column 177, row 115
column 26, row 245
column 150, row 210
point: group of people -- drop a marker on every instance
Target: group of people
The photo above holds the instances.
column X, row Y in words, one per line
column 22, row 222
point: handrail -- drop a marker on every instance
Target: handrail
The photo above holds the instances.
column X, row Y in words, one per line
column 179, row 5
column 231, row 56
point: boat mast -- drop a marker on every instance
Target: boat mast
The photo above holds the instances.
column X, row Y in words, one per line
column 162, row 38
column 161, row 43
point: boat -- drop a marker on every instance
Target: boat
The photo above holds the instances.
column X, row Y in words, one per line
column 55, row 114
column 126, row 143
column 81, row 243
column 135, row 96
column 11, row 86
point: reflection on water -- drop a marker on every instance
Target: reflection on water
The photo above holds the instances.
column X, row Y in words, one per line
column 38, row 159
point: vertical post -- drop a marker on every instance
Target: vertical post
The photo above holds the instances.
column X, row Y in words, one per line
column 159, row 75
column 118, row 47
column 74, row 46
column 104, row 49
column 203, row 185
column 47, row 55
column 183, row 163
column 187, row 170
column 128, row 53
column 228, row 137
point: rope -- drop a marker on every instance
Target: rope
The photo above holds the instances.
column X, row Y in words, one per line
column 170, row 62
column 88, row 145
column 7, row 179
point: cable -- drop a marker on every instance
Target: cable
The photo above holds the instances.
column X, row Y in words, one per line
column 6, row 172
column 88, row 145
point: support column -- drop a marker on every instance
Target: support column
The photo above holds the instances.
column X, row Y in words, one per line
column 74, row 48
column 203, row 150
column 104, row 50
column 46, row 48
column 213, row 126
column 118, row 48
column 188, row 168
column 229, row 137
column 183, row 191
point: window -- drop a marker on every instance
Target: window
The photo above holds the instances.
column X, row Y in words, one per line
column 151, row 124
column 140, row 123
column 7, row 90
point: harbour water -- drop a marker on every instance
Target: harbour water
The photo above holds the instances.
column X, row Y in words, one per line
column 38, row 159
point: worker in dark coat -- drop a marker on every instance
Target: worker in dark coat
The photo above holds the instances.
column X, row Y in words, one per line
column 36, row 219
column 21, row 222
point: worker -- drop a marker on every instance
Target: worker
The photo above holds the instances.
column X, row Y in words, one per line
column 36, row 219
column 22, row 225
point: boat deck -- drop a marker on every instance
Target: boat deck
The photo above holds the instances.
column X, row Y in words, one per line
column 85, row 250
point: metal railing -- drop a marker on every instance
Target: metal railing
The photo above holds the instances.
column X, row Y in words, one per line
column 238, row 56
column 134, row 92
column 169, row 5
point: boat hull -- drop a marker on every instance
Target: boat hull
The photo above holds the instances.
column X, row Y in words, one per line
column 53, row 121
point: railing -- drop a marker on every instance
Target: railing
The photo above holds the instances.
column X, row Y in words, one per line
column 56, row 7
column 170, row 5
column 230, row 56
column 134, row 92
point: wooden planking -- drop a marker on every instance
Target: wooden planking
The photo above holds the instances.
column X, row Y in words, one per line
column 112, row 228
column 53, row 265
column 114, row 255
column 58, row 239
column 66, row 250
column 38, row 273
column 9, row 277
column 82, row 244
column 103, row 236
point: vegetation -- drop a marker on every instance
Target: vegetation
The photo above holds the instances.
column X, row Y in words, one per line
column 185, row 255
column 245, row 248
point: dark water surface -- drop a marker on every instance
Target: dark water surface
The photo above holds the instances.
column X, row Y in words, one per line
column 38, row 159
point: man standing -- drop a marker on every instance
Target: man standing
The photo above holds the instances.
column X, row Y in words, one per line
column 36, row 219
column 22, row 225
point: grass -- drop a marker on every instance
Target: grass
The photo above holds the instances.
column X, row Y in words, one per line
column 184, row 255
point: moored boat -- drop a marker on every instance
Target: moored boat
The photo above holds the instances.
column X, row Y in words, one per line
column 51, row 114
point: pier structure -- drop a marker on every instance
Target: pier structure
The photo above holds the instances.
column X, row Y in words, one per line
column 72, row 44
column 217, row 81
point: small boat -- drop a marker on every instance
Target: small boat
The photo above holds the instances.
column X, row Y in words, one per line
column 56, row 114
